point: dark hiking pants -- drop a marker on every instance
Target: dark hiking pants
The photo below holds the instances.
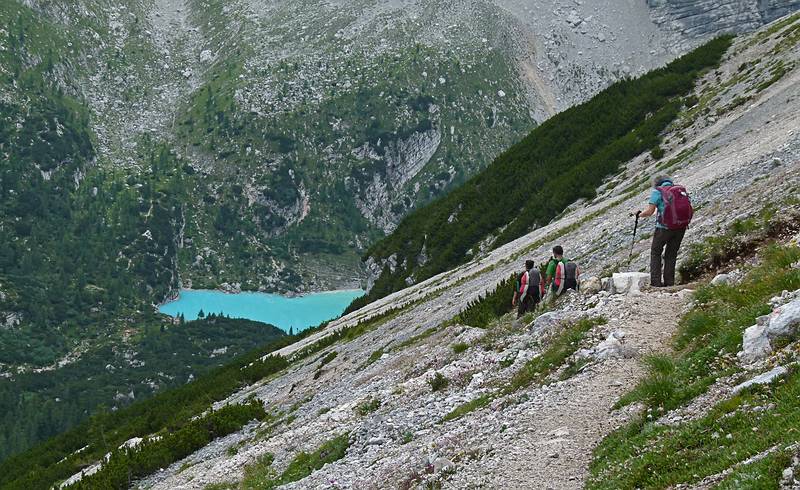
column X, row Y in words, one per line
column 528, row 303
column 666, row 242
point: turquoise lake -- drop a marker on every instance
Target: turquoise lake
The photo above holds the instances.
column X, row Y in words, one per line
column 300, row 312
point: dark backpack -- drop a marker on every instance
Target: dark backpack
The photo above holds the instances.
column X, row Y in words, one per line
column 678, row 211
column 534, row 284
column 568, row 276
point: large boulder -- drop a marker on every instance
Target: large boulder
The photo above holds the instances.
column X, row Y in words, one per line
column 628, row 282
column 781, row 323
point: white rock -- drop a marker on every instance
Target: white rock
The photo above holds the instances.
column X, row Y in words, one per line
column 755, row 344
column 721, row 279
column 552, row 319
column 762, row 379
column 783, row 322
column 442, row 464
column 611, row 347
column 628, row 282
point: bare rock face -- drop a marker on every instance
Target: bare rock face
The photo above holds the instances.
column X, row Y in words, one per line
column 694, row 19
column 404, row 159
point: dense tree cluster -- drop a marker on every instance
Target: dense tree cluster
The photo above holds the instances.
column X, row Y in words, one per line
column 36, row 406
column 563, row 160
column 66, row 454
column 125, row 464
column 480, row 312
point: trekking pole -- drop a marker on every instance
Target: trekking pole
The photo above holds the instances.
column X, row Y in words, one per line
column 635, row 227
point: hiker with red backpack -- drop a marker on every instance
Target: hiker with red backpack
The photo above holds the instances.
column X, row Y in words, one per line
column 674, row 215
column 562, row 274
column 527, row 290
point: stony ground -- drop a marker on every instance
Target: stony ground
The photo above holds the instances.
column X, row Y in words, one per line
column 556, row 430
column 735, row 157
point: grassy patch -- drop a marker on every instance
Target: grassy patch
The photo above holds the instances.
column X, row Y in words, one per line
column 328, row 358
column 416, row 338
column 741, row 238
column 368, row 406
column 778, row 71
column 459, row 347
column 573, row 368
column 537, row 369
column 647, row 455
column 561, row 347
column 262, row 476
column 762, row 474
column 468, row 407
column 709, row 336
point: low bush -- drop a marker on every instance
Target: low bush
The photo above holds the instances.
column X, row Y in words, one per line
column 438, row 382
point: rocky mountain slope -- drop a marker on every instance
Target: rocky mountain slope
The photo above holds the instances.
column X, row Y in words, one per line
column 315, row 126
column 154, row 144
column 426, row 400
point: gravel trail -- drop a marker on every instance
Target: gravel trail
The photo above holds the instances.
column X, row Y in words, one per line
column 557, row 429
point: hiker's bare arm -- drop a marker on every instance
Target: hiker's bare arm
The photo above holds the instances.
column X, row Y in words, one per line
column 650, row 210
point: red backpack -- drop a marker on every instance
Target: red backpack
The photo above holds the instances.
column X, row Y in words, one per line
column 678, row 209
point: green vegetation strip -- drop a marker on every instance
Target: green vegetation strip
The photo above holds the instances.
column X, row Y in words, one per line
column 262, row 476
column 742, row 237
column 536, row 370
column 59, row 458
column 483, row 310
column 127, row 464
column 646, row 455
column 536, row 179
column 561, row 347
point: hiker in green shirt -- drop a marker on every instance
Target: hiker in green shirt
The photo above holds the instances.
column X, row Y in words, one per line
column 561, row 274
column 550, row 274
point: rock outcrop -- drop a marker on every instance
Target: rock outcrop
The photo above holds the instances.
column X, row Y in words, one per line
column 758, row 340
column 704, row 18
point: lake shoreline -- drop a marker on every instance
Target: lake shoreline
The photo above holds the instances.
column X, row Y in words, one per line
column 299, row 311
column 290, row 295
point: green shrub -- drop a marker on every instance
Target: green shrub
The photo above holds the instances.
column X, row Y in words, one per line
column 150, row 455
column 482, row 311
column 459, row 347
column 368, row 406
column 328, row 358
column 438, row 382
column 657, row 153
column 262, row 476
